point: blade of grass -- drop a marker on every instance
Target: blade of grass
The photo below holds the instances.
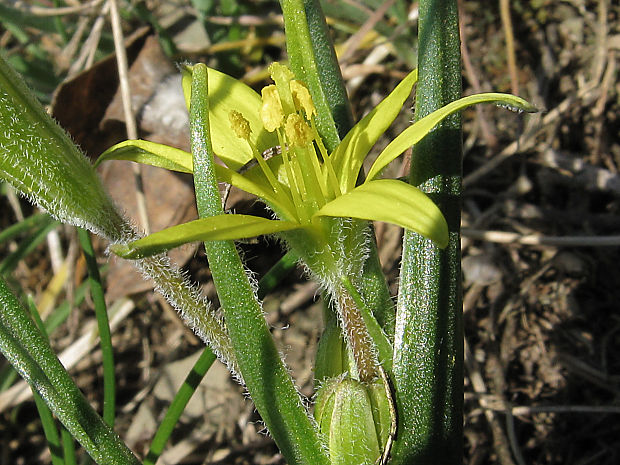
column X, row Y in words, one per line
column 103, row 324
column 178, row 404
column 277, row 273
column 24, row 21
column 8, row 374
column 26, row 247
column 27, row 350
column 204, row 362
column 66, row 456
column 68, row 446
column 61, row 29
column 60, row 314
column 49, row 429
column 26, row 225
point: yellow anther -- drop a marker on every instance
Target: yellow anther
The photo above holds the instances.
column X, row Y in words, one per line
column 239, row 125
column 297, row 131
column 302, row 98
column 271, row 112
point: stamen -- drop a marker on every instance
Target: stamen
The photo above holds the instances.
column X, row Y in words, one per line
column 271, row 112
column 302, row 99
column 297, row 131
column 241, row 127
column 293, row 184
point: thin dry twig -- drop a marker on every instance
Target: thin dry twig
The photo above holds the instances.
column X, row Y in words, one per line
column 353, row 42
column 69, row 357
column 504, row 11
column 59, row 11
column 503, row 237
column 501, row 444
column 485, row 127
column 130, row 120
column 87, row 53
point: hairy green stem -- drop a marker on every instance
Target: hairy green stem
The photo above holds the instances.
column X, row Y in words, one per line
column 428, row 346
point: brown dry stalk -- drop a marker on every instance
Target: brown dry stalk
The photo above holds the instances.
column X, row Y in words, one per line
column 357, row 337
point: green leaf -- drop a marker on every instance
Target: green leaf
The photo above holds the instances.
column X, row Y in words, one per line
column 213, row 228
column 149, row 153
column 394, row 202
column 348, row 157
column 40, row 160
column 314, row 61
column 414, row 133
column 29, row 352
column 227, row 94
column 178, row 404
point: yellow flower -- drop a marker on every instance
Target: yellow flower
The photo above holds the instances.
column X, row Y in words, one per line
column 309, row 190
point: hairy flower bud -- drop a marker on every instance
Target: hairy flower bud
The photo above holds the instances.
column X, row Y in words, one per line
column 354, row 419
column 331, row 356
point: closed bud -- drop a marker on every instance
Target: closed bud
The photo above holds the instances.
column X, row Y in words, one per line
column 354, row 420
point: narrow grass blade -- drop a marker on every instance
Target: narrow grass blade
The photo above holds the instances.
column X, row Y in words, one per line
column 26, row 225
column 47, row 419
column 27, row 350
column 277, row 273
column 178, row 404
column 103, row 324
column 26, row 247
